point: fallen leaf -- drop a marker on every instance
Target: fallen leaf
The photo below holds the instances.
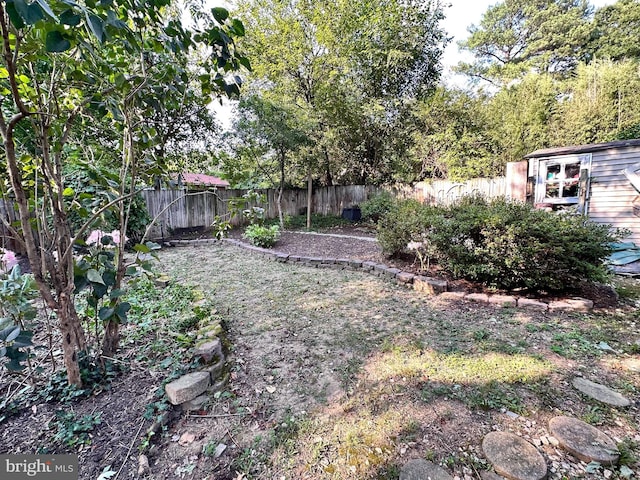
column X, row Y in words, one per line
column 187, row 438
column 271, row 389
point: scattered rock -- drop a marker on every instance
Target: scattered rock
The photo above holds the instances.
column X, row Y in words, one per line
column 584, row 441
column 143, row 465
column 429, row 285
column 187, row 438
column 452, row 295
column 487, row 475
column 421, row 470
column 532, row 304
column 209, row 350
column 502, row 300
column 219, row 450
column 194, row 404
column 477, row 297
column 571, row 304
column 187, row 387
column 513, row 457
column 600, row 392
column 405, row 277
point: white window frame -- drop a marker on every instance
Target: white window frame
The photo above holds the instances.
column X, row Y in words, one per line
column 584, row 160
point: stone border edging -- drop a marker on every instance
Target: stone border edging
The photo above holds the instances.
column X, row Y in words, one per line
column 429, row 285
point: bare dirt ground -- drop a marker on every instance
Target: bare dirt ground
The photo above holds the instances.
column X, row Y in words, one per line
column 342, row 375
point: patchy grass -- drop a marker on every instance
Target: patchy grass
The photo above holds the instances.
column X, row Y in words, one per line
column 343, row 375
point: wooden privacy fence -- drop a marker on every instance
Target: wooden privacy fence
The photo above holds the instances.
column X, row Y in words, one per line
column 176, row 210
column 445, row 192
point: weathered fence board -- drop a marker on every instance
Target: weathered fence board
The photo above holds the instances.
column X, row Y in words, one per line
column 445, row 192
column 177, row 210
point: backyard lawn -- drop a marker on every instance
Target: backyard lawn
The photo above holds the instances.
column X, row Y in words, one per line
column 340, row 374
column 333, row 374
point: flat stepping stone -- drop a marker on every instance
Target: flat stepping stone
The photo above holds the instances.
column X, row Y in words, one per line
column 600, row 392
column 584, row 441
column 513, row 457
column 423, row 470
column 486, row 475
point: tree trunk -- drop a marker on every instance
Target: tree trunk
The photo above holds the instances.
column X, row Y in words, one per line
column 111, row 338
column 309, row 198
column 72, row 338
column 328, row 178
column 280, row 190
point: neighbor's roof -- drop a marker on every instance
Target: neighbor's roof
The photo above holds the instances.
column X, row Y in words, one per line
column 202, row 179
column 593, row 147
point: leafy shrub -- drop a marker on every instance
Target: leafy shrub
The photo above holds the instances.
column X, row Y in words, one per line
column 511, row 245
column 407, row 221
column 377, row 207
column 262, row 236
column 502, row 244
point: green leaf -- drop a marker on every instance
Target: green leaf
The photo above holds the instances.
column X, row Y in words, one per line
column 13, row 335
column 94, row 277
column 10, row 333
column 105, row 313
column 117, row 293
column 31, row 13
column 14, row 16
column 121, row 311
column 69, row 17
column 96, row 26
column 55, row 42
column 141, row 248
column 109, row 278
column 220, row 14
column 47, row 9
column 23, row 340
column 68, row 192
column 238, row 27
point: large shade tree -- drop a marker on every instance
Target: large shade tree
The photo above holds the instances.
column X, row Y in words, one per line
column 515, row 36
column 355, row 68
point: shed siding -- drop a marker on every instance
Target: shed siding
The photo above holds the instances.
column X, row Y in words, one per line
column 612, row 196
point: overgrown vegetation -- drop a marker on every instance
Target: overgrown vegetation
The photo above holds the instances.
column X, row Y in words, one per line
column 377, row 207
column 501, row 244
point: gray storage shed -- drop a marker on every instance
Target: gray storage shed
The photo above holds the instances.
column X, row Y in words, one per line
column 601, row 179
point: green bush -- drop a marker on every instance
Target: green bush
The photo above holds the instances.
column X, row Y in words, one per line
column 377, row 207
column 503, row 244
column 407, row 221
column 262, row 236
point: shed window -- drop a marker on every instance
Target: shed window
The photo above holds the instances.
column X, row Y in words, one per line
column 559, row 179
column 562, row 180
